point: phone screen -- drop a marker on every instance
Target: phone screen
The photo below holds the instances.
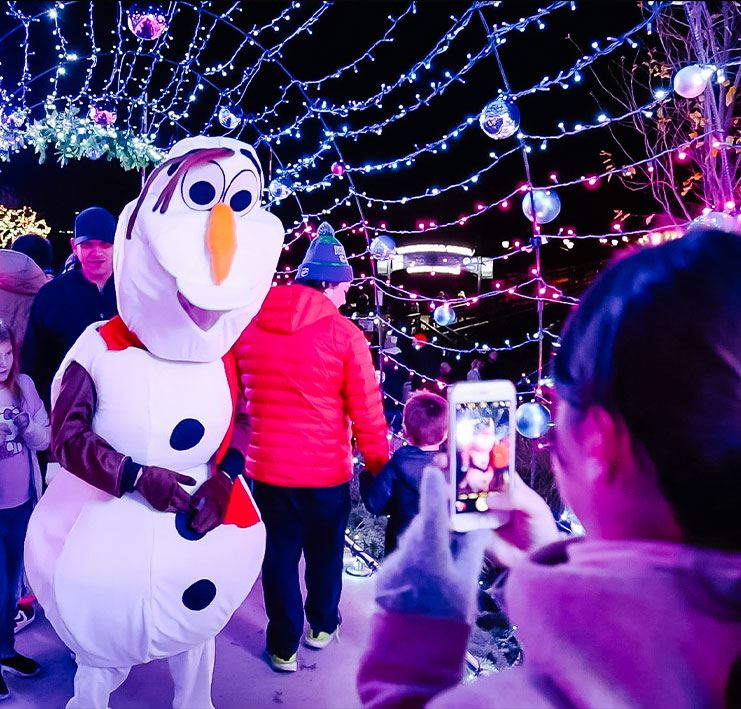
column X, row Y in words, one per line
column 482, row 453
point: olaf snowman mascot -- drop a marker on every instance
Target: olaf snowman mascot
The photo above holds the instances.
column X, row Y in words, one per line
column 147, row 539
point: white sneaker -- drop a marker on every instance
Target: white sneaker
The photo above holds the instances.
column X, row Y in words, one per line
column 320, row 640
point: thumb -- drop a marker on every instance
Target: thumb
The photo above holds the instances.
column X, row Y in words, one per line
column 434, row 525
column 184, row 479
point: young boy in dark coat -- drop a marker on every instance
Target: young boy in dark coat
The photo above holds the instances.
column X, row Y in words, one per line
column 395, row 490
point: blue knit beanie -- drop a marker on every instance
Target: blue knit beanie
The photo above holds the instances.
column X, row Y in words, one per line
column 95, row 223
column 325, row 259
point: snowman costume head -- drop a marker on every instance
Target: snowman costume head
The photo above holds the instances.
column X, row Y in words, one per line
column 194, row 255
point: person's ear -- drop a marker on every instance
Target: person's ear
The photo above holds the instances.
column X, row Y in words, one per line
column 73, row 246
column 603, row 442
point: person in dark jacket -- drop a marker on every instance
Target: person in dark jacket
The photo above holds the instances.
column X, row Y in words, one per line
column 395, row 490
column 64, row 307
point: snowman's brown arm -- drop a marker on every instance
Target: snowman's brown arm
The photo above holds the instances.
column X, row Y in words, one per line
column 74, row 444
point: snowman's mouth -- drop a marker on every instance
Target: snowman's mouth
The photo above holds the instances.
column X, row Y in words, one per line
column 204, row 319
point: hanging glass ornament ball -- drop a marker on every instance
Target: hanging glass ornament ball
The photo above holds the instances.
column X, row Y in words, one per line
column 500, row 119
column 280, row 187
column 103, row 113
column 691, row 81
column 230, row 116
column 338, row 169
column 444, row 315
column 532, row 420
column 147, row 21
column 382, row 246
column 717, row 220
column 547, row 205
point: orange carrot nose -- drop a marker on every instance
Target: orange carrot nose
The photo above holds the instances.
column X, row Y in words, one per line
column 221, row 241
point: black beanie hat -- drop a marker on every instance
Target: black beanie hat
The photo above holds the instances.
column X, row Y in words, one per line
column 95, row 223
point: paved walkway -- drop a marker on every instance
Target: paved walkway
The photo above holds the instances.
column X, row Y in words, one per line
column 242, row 679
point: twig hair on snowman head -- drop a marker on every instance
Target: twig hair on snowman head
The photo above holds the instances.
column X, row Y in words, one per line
column 176, row 167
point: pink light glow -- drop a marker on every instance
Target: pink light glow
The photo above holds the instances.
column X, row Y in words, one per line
column 591, row 182
column 504, row 205
column 730, row 204
column 480, row 206
column 682, row 156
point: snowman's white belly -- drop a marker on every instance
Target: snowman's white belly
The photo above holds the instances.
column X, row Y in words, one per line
column 122, row 583
column 171, row 414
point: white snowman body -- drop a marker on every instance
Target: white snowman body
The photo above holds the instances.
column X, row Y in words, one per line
column 194, row 257
column 117, row 576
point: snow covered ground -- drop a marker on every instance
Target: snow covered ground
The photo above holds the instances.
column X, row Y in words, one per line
column 242, row 678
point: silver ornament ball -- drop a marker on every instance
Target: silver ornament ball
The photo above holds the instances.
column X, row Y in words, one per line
column 382, row 246
column 230, row 116
column 147, row 21
column 280, row 188
column 532, row 420
column 691, row 81
column 444, row 315
column 500, row 119
column 103, row 113
column 717, row 220
column 547, row 205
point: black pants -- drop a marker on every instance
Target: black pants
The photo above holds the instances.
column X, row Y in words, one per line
column 312, row 521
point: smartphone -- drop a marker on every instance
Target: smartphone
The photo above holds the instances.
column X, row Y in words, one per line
column 481, row 447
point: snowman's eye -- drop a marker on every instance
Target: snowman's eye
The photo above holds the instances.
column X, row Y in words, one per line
column 243, row 192
column 202, row 186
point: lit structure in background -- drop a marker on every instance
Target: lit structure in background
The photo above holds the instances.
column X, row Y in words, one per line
column 20, row 221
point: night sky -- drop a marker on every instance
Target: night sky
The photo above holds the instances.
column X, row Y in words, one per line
column 339, row 36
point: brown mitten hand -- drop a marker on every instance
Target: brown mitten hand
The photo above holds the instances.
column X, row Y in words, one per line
column 160, row 488
column 210, row 502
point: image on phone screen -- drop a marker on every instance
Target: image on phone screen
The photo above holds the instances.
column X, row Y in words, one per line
column 482, row 442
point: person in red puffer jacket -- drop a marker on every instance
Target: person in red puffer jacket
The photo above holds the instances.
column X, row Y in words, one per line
column 310, row 385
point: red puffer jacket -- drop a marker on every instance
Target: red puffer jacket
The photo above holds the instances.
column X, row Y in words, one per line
column 309, row 382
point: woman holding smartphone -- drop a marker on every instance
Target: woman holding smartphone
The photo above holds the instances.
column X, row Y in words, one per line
column 645, row 610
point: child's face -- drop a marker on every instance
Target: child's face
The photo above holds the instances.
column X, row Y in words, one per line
column 6, row 361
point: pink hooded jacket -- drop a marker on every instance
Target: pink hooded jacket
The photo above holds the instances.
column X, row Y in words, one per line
column 602, row 624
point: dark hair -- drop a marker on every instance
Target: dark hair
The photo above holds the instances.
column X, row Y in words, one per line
column 37, row 248
column 321, row 286
column 656, row 341
column 426, row 419
column 6, row 335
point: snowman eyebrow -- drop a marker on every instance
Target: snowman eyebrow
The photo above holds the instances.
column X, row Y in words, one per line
column 251, row 157
column 183, row 163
